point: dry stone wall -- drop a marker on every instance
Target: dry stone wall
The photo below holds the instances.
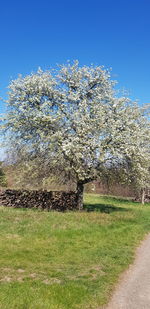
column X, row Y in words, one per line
column 52, row 200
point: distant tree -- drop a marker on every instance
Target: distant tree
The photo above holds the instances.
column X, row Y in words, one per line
column 134, row 173
column 139, row 175
column 73, row 122
column 3, row 181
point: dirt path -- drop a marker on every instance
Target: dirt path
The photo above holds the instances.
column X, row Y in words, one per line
column 133, row 291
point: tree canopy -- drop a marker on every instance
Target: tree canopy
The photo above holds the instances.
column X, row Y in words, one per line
column 72, row 120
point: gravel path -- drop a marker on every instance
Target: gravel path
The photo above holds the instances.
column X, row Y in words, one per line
column 133, row 291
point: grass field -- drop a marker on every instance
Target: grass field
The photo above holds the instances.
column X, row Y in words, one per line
column 69, row 260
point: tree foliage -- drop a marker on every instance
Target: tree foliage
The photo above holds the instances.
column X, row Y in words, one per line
column 72, row 120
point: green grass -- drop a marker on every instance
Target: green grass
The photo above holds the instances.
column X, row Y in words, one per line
column 71, row 260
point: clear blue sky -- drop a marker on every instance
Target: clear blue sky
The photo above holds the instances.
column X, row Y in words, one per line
column 113, row 33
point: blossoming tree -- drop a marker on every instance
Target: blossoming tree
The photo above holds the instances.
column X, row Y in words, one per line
column 72, row 119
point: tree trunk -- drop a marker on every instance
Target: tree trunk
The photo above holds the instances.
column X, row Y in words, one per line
column 143, row 196
column 79, row 192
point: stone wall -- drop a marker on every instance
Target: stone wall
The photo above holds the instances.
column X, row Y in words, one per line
column 52, row 200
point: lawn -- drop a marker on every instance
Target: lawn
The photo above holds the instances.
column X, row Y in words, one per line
column 72, row 260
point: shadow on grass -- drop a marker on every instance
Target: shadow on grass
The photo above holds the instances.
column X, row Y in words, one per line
column 104, row 208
